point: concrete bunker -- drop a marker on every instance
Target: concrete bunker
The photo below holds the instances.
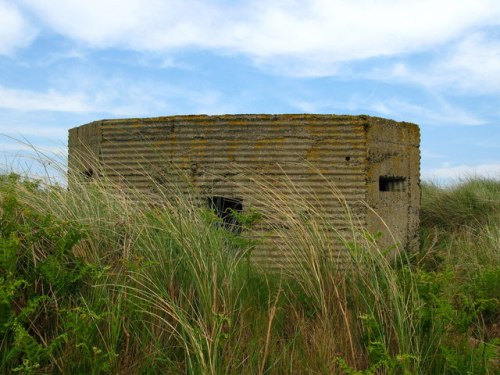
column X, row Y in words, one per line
column 373, row 162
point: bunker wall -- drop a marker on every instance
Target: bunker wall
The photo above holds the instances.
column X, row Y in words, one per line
column 393, row 183
column 218, row 155
column 84, row 145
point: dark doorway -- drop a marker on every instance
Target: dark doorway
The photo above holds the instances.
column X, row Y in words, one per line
column 227, row 209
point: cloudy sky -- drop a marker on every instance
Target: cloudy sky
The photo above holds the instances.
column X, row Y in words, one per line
column 64, row 63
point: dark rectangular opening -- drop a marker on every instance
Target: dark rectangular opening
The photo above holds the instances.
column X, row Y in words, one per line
column 225, row 208
column 392, row 183
column 88, row 174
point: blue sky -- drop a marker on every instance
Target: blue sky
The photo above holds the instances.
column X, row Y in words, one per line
column 64, row 63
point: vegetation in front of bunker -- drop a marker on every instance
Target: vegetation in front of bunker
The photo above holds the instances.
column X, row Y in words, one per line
column 92, row 281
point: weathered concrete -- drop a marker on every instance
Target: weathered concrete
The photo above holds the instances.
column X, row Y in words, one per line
column 368, row 159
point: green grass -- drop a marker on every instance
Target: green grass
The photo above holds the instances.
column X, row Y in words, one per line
column 96, row 281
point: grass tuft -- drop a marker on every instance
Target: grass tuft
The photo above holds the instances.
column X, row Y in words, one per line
column 98, row 279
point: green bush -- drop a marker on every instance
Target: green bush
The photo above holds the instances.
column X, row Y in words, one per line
column 93, row 280
column 38, row 274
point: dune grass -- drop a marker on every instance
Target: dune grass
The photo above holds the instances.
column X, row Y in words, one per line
column 95, row 280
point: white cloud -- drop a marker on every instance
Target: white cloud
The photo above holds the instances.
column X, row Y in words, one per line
column 137, row 24
column 15, row 132
column 333, row 31
column 51, row 100
column 163, row 62
column 314, row 31
column 451, row 173
column 469, row 65
column 301, row 38
column 442, row 114
column 119, row 96
column 438, row 112
column 472, row 65
column 15, row 31
column 112, row 96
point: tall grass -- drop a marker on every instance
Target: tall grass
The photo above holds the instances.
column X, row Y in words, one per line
column 458, row 268
column 460, row 224
column 105, row 280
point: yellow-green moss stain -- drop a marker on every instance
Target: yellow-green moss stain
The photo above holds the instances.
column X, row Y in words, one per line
column 233, row 149
column 173, row 146
column 311, row 129
column 231, row 122
column 265, row 148
column 313, row 153
column 184, row 161
column 269, row 144
column 137, row 125
column 199, row 147
column 159, row 144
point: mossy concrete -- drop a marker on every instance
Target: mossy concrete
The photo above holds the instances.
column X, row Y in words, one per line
column 373, row 162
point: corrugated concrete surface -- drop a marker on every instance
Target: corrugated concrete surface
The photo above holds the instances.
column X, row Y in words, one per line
column 369, row 160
